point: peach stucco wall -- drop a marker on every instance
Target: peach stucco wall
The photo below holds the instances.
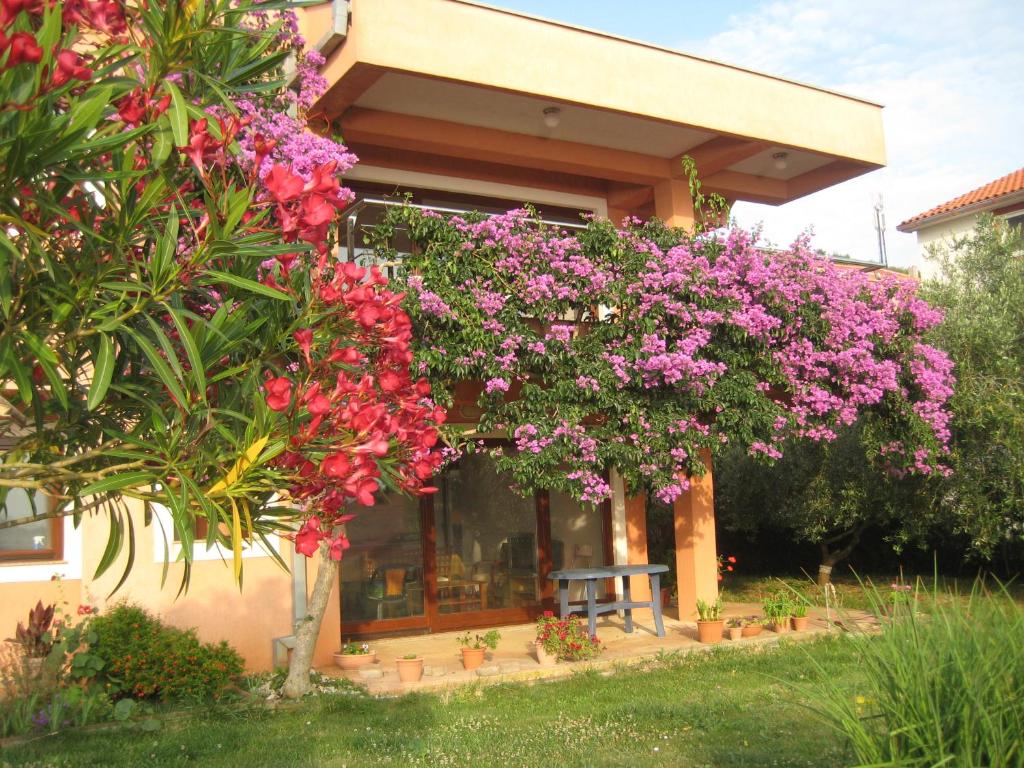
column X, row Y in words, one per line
column 17, row 599
column 249, row 619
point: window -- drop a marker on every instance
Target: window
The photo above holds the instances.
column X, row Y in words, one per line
column 38, row 540
column 1016, row 219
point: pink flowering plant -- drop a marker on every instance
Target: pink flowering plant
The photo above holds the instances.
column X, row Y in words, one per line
column 648, row 349
column 567, row 639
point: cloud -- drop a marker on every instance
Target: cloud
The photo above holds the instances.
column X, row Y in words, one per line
column 949, row 75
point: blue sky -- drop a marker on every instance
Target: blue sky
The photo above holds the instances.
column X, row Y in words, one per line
column 949, row 72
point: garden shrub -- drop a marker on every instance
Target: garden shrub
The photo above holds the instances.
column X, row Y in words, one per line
column 145, row 659
column 942, row 685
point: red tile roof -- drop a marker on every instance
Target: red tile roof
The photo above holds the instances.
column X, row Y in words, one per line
column 994, row 190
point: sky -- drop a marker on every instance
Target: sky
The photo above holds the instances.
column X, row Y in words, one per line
column 950, row 74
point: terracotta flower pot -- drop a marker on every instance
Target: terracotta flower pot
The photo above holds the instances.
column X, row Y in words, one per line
column 410, row 670
column 781, row 626
column 735, row 633
column 666, row 597
column 799, row 623
column 710, row 631
column 354, row 660
column 472, row 657
column 544, row 658
column 752, row 630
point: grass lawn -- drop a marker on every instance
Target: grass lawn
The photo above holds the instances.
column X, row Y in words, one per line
column 727, row 708
column 848, row 590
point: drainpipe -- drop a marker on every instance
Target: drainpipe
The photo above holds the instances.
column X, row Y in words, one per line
column 280, row 646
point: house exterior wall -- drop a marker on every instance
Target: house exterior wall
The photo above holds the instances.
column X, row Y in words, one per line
column 938, row 234
column 248, row 619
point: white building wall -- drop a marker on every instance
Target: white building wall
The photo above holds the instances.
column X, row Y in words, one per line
column 939, row 234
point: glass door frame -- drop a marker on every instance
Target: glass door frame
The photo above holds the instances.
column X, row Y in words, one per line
column 433, row 620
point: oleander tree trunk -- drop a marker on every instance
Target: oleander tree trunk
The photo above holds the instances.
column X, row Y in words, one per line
column 307, row 629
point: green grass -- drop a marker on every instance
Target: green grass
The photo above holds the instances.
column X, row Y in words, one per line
column 727, row 708
column 850, row 593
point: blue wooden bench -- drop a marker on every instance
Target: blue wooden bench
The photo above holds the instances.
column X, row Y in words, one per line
column 593, row 608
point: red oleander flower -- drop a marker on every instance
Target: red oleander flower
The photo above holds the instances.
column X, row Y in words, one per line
column 279, row 393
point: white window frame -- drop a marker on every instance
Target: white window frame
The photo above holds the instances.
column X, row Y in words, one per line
column 70, row 567
column 163, row 533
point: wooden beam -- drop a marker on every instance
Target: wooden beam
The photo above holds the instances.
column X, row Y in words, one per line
column 405, row 160
column 718, row 154
column 344, row 93
column 743, row 186
column 825, row 176
column 626, row 197
column 441, row 137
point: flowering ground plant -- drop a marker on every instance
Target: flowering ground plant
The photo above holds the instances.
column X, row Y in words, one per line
column 355, row 649
column 647, row 349
column 567, row 639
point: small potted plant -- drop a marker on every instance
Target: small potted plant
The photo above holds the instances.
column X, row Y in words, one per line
column 410, row 668
column 735, row 627
column 799, row 616
column 575, row 643
column 547, row 642
column 777, row 608
column 475, row 646
column 355, row 655
column 37, row 638
column 709, row 622
column 753, row 626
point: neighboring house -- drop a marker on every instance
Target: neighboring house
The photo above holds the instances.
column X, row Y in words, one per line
column 466, row 106
column 957, row 217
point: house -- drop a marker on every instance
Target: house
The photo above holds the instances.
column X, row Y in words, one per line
column 957, row 217
column 465, row 106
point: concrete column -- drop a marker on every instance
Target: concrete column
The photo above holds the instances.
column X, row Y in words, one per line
column 696, row 552
column 636, row 534
column 620, row 541
column 673, row 204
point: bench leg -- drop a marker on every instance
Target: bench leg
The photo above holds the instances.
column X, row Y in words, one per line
column 656, row 603
column 627, row 598
column 592, row 606
column 563, row 598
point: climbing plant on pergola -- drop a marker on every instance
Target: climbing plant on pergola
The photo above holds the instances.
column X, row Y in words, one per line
column 643, row 348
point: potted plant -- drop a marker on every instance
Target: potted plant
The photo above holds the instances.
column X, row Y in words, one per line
column 547, row 642
column 709, row 622
column 753, row 626
column 355, row 655
column 410, row 668
column 37, row 638
column 474, row 647
column 735, row 628
column 777, row 608
column 799, row 616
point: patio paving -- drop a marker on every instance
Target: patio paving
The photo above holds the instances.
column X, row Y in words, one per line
column 514, row 658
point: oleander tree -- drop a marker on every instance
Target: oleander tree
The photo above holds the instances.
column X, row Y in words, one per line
column 175, row 328
column 648, row 349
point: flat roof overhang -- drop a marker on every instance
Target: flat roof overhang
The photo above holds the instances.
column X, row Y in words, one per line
column 415, row 81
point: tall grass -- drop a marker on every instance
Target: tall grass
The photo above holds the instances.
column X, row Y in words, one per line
column 943, row 684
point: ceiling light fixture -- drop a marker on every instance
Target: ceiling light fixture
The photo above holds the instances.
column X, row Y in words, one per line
column 552, row 116
column 780, row 160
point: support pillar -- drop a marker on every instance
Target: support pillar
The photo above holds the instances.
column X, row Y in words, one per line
column 696, row 551
column 673, row 204
column 636, row 538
